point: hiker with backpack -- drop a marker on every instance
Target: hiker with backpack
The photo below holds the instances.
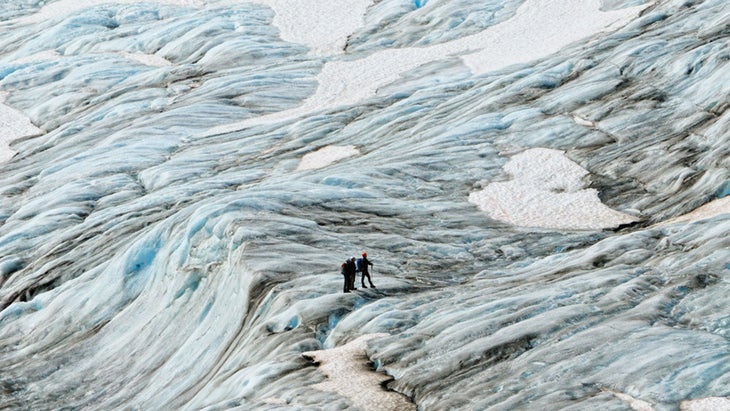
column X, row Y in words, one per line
column 362, row 266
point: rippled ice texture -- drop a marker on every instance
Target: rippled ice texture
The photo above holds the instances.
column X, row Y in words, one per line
column 148, row 261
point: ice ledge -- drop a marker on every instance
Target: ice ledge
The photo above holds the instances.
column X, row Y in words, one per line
column 546, row 191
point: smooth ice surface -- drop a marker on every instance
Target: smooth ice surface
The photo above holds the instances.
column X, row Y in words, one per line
column 152, row 256
column 546, row 190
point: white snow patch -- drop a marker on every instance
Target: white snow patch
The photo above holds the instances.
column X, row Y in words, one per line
column 349, row 375
column 326, row 156
column 546, row 191
column 148, row 59
column 323, row 26
column 539, row 28
column 700, row 404
column 13, row 125
column 706, row 404
column 709, row 210
column 635, row 404
column 583, row 122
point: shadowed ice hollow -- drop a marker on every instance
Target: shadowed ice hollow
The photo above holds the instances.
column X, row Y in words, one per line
column 541, row 185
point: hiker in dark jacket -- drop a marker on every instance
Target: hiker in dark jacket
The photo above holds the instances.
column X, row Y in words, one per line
column 346, row 279
column 350, row 270
column 362, row 266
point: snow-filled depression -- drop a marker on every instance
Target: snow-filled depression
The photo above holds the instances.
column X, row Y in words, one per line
column 542, row 186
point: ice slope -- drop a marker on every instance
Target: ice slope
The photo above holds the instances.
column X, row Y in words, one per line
column 537, row 29
column 152, row 258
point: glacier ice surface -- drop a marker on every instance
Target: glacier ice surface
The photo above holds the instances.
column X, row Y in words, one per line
column 162, row 248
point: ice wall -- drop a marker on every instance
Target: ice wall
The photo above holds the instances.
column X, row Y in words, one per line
column 147, row 262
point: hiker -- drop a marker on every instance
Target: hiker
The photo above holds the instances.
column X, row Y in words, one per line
column 362, row 266
column 343, row 271
column 347, row 269
column 351, row 273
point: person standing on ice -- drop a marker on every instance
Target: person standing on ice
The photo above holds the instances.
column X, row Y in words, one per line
column 353, row 273
column 362, row 266
column 345, row 277
column 349, row 272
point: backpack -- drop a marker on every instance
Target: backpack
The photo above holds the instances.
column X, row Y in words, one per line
column 359, row 264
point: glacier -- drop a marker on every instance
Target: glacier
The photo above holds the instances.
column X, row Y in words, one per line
column 542, row 185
